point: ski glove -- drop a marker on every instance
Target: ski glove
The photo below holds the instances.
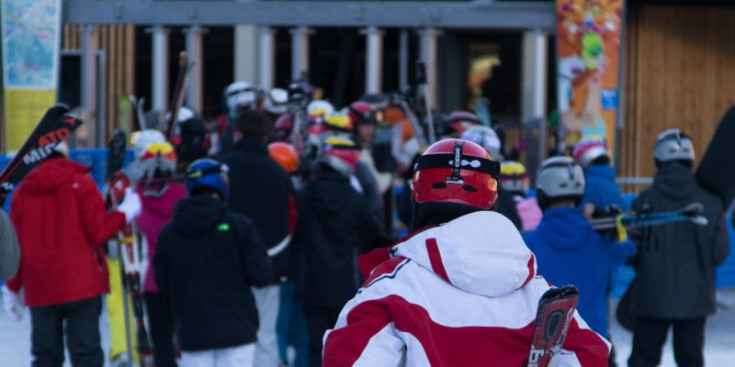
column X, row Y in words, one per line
column 131, row 205
column 12, row 304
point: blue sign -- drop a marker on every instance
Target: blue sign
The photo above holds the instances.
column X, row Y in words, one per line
column 609, row 99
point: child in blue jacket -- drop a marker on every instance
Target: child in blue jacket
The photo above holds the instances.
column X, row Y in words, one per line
column 567, row 249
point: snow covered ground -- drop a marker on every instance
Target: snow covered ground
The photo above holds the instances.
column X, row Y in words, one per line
column 719, row 349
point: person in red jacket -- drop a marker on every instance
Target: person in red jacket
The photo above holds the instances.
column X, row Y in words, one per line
column 62, row 225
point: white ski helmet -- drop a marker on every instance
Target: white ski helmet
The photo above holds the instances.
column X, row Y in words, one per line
column 319, row 108
column 241, row 96
column 559, row 178
column 672, row 145
column 485, row 137
column 590, row 149
column 145, row 138
column 276, row 101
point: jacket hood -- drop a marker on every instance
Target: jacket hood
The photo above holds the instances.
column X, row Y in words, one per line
column 51, row 174
column 563, row 228
column 480, row 253
column 601, row 170
column 198, row 215
column 675, row 180
column 328, row 192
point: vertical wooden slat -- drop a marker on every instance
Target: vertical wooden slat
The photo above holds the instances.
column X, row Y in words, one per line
column 680, row 73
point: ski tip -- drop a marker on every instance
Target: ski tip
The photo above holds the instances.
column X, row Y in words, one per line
column 692, row 209
column 699, row 220
column 561, row 292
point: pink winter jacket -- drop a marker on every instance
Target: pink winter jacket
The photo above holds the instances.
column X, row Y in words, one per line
column 530, row 213
column 156, row 212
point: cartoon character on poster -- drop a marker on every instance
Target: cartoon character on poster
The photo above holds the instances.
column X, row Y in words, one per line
column 588, row 50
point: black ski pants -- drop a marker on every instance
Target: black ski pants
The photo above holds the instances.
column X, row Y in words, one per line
column 82, row 334
column 162, row 329
column 649, row 337
column 319, row 320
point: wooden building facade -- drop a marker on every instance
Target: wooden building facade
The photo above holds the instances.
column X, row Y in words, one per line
column 679, row 71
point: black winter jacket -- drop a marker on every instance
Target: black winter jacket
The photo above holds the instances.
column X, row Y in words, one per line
column 334, row 227
column 206, row 260
column 675, row 263
column 262, row 191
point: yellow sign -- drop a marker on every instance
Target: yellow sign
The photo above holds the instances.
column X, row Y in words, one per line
column 23, row 110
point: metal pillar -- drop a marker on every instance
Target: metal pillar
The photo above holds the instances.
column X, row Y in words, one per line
column 373, row 60
column 300, row 51
column 90, row 46
column 159, row 65
column 246, row 51
column 194, row 52
column 403, row 59
column 533, row 98
column 428, row 56
column 267, row 55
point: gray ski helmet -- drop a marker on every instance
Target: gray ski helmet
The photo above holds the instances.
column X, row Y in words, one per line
column 672, row 145
column 485, row 137
column 560, row 178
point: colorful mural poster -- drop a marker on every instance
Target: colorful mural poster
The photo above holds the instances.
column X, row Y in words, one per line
column 30, row 40
column 589, row 50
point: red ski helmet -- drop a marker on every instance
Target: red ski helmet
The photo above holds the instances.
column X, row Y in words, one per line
column 456, row 171
column 282, row 128
column 460, row 121
column 362, row 113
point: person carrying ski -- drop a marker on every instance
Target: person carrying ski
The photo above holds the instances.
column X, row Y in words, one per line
column 461, row 290
column 568, row 250
column 263, row 192
column 601, row 193
column 159, row 193
column 206, row 260
column 62, row 225
column 675, row 263
column 334, row 226
column 9, row 248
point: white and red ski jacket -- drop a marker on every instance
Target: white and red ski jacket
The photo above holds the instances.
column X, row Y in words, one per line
column 464, row 293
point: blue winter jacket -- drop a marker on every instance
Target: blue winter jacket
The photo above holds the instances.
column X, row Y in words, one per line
column 569, row 251
column 600, row 187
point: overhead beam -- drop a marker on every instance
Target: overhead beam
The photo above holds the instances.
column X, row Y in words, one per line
column 466, row 15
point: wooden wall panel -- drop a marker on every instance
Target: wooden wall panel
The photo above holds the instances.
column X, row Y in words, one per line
column 679, row 73
column 118, row 43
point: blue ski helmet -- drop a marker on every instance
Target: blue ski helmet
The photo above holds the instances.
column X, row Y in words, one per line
column 207, row 172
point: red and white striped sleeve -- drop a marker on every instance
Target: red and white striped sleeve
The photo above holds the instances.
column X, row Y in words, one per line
column 583, row 347
column 365, row 334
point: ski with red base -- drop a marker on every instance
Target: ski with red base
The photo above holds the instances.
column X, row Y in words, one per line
column 55, row 126
column 555, row 312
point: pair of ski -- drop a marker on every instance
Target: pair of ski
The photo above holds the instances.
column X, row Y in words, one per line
column 632, row 220
column 118, row 182
column 553, row 317
column 129, row 251
column 55, row 126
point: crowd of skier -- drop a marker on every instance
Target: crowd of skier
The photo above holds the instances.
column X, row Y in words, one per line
column 271, row 236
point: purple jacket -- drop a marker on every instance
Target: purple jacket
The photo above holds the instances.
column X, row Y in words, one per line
column 156, row 212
